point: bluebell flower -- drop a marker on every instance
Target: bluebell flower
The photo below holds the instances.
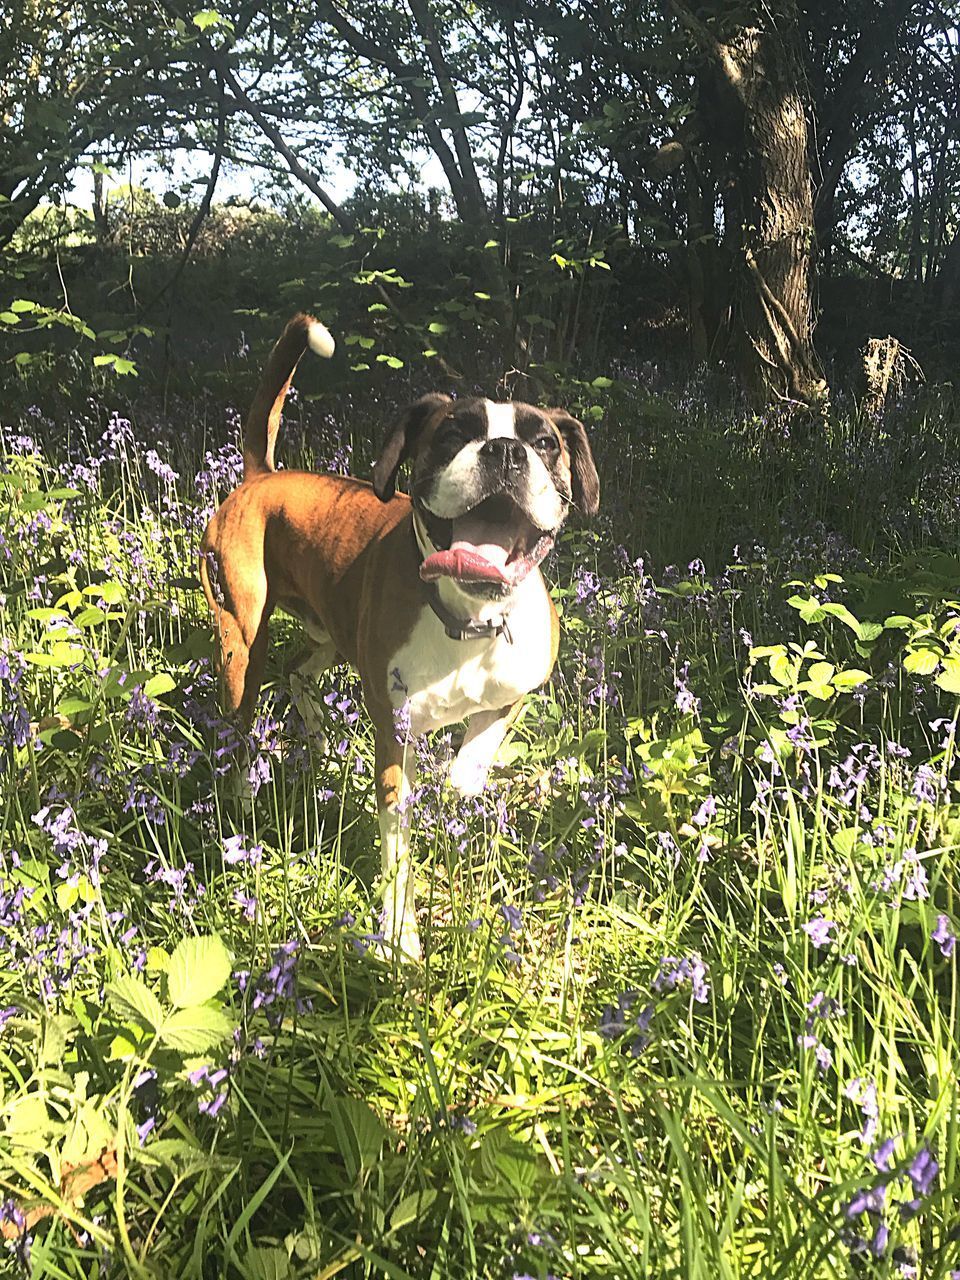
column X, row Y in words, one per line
column 945, row 939
column 818, row 930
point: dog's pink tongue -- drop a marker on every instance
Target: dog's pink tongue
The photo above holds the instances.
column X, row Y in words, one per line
column 468, row 561
column 472, row 557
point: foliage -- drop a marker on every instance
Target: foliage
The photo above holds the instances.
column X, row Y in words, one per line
column 690, row 1003
column 539, row 141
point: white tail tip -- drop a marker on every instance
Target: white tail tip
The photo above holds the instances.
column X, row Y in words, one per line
column 320, row 340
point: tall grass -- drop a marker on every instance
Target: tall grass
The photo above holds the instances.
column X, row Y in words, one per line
column 689, row 1005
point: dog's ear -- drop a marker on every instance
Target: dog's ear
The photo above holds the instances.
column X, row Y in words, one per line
column 583, row 472
column 402, row 441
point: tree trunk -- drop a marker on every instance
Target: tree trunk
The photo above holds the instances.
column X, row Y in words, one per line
column 99, row 208
column 753, row 123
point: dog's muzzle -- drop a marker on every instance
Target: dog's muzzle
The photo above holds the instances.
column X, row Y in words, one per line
column 494, row 542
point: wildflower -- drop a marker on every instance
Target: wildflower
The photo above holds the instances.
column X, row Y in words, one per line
column 234, row 851
column 922, row 1171
column 13, row 1228
column 880, row 1238
column 401, row 721
column 613, row 1020
column 246, row 903
column 686, row 702
column 706, row 811
column 278, row 984
column 511, row 916
column 867, row 1200
column 864, row 1093
column 818, row 931
column 926, row 785
column 883, row 1156
column 675, row 973
column 160, row 468
column 943, row 937
column 586, row 585
column 513, row 920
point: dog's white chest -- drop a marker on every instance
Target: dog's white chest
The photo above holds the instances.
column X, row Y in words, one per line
column 444, row 681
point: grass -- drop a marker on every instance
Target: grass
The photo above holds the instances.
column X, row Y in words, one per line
column 689, row 963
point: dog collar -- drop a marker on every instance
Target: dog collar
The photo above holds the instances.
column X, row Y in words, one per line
column 465, row 628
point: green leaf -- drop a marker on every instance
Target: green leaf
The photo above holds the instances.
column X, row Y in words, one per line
column 61, row 655
column 355, row 1117
column 437, row 327
column 267, row 1263
column 206, row 18
column 394, row 362
column 27, row 1121
column 808, row 607
column 921, row 662
column 820, row 672
column 131, row 997
column 22, row 305
column 412, row 1208
column 949, row 678
column 850, row 679
column 196, row 1029
column 198, row 969
column 158, row 685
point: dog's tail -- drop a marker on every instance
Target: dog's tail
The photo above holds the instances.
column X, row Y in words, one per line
column 263, row 420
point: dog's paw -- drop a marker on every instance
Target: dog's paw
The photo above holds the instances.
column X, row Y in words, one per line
column 467, row 777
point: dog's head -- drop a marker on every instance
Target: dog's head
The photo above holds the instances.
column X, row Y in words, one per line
column 492, row 484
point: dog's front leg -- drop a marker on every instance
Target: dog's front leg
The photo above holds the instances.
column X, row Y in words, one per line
column 486, row 731
column 395, row 777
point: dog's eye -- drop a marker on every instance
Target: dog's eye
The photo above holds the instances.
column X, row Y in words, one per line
column 546, row 443
column 454, row 430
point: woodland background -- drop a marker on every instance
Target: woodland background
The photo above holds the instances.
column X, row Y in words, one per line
column 530, row 189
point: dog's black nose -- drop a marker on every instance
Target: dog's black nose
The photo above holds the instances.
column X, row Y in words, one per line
column 505, row 451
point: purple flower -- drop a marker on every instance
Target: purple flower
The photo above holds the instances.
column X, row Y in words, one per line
column 706, row 811
column 867, row 1200
column 511, row 915
column 883, row 1156
column 818, row 931
column 278, row 984
column 943, row 937
column 234, row 851
column 923, row 1170
column 676, row 972
column 927, row 784
column 11, row 1214
column 880, row 1239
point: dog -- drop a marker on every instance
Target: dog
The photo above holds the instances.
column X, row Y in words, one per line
column 436, row 599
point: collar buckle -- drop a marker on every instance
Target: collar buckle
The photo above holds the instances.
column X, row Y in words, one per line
column 466, row 628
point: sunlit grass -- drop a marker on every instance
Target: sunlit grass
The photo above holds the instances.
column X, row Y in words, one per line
column 689, row 963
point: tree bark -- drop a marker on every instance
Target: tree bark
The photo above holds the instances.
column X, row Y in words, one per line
column 753, row 122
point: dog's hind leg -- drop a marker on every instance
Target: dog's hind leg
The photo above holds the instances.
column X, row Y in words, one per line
column 395, row 776
column 241, row 613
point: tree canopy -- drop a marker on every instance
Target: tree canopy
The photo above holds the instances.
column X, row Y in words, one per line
column 743, row 155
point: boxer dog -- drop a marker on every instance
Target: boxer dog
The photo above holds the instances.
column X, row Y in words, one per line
column 436, row 599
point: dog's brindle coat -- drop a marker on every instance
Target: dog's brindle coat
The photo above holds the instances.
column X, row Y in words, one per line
column 359, row 564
